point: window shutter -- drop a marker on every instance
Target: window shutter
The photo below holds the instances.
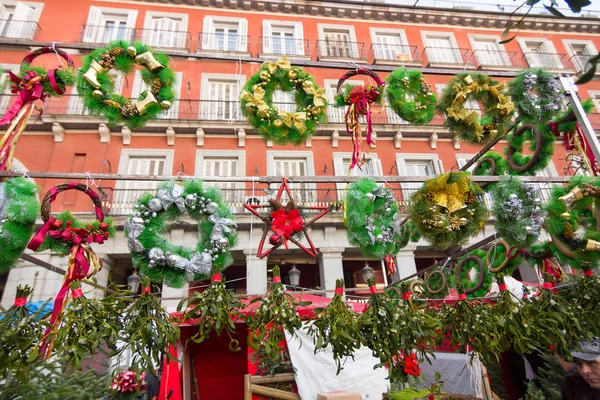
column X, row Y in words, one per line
column 267, row 37
column 208, row 34
column 117, row 82
column 3, row 17
column 20, row 27
column 550, row 57
column 138, row 85
column 299, row 38
column 173, row 112
column 94, row 29
column 243, row 36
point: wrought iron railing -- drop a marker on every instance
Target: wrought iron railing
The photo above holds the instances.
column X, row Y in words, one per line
column 395, row 52
column 341, row 49
column 106, row 33
column 547, row 60
column 580, row 61
column 277, row 45
column 165, row 39
column 223, row 43
column 15, row 29
column 498, row 58
column 447, row 56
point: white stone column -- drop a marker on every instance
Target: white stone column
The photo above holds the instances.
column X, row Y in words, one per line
column 330, row 268
column 256, row 273
column 170, row 297
column 405, row 264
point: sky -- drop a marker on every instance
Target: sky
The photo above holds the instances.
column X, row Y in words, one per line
column 562, row 5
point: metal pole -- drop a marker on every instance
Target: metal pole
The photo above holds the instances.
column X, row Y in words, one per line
column 571, row 91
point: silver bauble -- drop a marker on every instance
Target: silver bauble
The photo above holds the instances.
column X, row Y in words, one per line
column 528, row 229
column 212, row 208
column 370, row 196
column 190, row 200
column 172, row 260
column 155, row 205
column 537, row 201
column 222, row 242
column 155, row 253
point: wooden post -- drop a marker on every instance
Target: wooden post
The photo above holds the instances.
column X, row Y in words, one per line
column 247, row 387
column 274, row 393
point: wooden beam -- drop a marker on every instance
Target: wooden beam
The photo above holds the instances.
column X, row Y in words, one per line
column 274, row 393
column 287, row 377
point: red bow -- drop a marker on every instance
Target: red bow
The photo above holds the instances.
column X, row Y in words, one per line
column 29, row 88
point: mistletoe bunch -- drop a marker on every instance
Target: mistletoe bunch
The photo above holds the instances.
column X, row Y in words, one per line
column 337, row 326
column 584, row 297
column 147, row 330
column 274, row 313
column 215, row 309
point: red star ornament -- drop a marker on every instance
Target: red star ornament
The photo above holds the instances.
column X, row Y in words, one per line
column 285, row 224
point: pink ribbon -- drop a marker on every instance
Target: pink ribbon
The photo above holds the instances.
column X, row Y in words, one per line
column 406, row 295
column 77, row 293
column 372, row 289
column 146, row 290
column 339, row 291
column 216, row 277
column 462, row 296
column 277, row 279
column 588, row 272
column 548, row 285
column 502, row 287
column 20, row 301
column 29, row 89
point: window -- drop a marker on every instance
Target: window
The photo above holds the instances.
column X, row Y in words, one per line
column 6, row 98
column 441, row 48
column 595, row 96
column 284, row 101
column 139, row 162
column 488, row 51
column 225, row 34
column 546, row 188
column 282, row 37
column 220, row 97
column 290, row 164
column 337, row 41
column 139, row 86
column 167, row 30
column 76, row 106
column 391, row 45
column 416, row 165
column 105, row 25
column 580, row 51
column 19, row 19
column 224, row 164
column 342, row 162
column 540, row 53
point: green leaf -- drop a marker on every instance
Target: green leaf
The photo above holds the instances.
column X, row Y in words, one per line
column 553, row 11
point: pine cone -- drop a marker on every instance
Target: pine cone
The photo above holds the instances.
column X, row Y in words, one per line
column 290, row 206
column 156, row 85
column 275, row 204
column 429, row 195
column 494, row 92
column 473, row 87
column 590, row 190
column 128, row 109
column 471, row 198
column 117, row 51
column 568, row 231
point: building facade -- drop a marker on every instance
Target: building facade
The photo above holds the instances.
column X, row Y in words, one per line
column 215, row 46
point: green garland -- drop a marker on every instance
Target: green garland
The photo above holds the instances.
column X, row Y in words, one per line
column 18, row 210
column 65, row 77
column 280, row 126
column 572, row 209
column 216, row 309
column 435, row 284
column 96, row 85
column 344, row 98
column 541, row 141
column 447, row 209
column 420, row 108
column 490, row 164
column 536, row 94
column 502, row 259
column 517, row 211
column 373, row 219
column 273, row 314
column 461, row 278
column 468, row 125
column 161, row 260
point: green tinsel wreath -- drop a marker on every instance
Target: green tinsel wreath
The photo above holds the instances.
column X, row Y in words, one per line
column 18, row 210
column 490, row 164
column 573, row 222
column 536, row 94
column 448, row 209
column 96, row 85
column 161, row 260
column 474, row 288
column 502, row 259
column 420, row 108
column 435, row 284
column 281, row 126
column 469, row 126
column 65, row 77
column 517, row 211
column 541, row 141
column 373, row 219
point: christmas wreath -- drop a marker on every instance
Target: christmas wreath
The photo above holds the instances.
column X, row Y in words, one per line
column 475, row 261
column 410, row 96
column 161, row 260
column 447, row 209
column 359, row 100
column 573, row 222
column 435, row 284
column 542, row 144
column 96, row 84
column 284, row 127
column 502, row 259
column 518, row 213
column 490, row 164
column 373, row 219
column 18, row 211
column 468, row 125
column 536, row 95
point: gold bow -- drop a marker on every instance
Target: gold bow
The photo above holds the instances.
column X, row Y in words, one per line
column 451, row 196
column 468, row 79
column 319, row 96
column 282, row 63
column 505, row 103
column 478, row 132
column 457, row 113
column 296, row 120
column 461, row 91
column 255, row 99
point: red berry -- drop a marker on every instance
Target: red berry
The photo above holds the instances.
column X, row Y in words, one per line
column 275, row 239
column 57, row 223
column 103, row 226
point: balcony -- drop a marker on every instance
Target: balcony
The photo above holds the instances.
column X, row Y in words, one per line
column 223, row 43
column 448, row 57
column 165, row 39
column 330, row 50
column 395, row 54
column 498, row 60
column 106, row 33
column 277, row 46
column 579, row 62
column 23, row 30
column 553, row 62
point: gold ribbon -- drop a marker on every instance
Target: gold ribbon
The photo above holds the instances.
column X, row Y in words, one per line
column 319, row 96
column 505, row 103
column 256, row 99
column 297, row 120
column 451, row 196
column 282, row 63
column 8, row 143
column 457, row 113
